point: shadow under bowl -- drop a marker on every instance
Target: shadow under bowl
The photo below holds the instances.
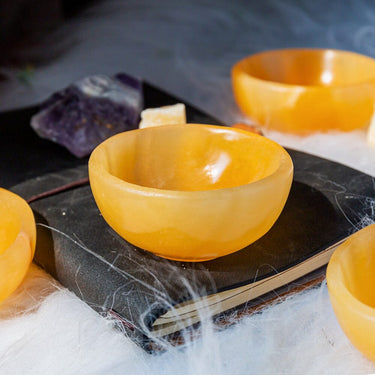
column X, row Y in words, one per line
column 190, row 192
column 306, row 90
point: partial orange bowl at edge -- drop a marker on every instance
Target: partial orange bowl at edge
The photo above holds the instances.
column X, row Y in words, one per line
column 17, row 241
column 351, row 280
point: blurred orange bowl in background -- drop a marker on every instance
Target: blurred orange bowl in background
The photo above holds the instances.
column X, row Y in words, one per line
column 306, row 90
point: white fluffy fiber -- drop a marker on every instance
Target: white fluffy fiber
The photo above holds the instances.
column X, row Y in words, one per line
column 188, row 48
column 45, row 329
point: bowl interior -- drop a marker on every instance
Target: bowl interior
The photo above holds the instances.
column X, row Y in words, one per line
column 191, row 157
column 358, row 272
column 309, row 67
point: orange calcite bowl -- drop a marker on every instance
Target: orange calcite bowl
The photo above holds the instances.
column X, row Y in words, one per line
column 17, row 241
column 190, row 192
column 306, row 90
column 351, row 281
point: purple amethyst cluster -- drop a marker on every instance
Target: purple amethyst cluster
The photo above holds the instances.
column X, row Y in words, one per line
column 89, row 111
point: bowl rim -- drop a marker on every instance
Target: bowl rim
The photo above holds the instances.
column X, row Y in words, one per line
column 238, row 68
column 336, row 285
column 95, row 166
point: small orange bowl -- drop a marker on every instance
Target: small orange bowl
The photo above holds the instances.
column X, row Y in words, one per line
column 190, row 192
column 351, row 286
column 17, row 241
column 306, row 90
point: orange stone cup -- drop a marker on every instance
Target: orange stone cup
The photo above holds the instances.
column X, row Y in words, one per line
column 190, row 192
column 351, row 280
column 306, row 90
column 17, row 241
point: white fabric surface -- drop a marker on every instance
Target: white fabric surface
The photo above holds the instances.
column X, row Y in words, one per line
column 188, row 49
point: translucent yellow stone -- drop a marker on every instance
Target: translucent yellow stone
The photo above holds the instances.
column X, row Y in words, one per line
column 351, row 280
column 17, row 241
column 167, row 115
column 306, row 90
column 190, row 192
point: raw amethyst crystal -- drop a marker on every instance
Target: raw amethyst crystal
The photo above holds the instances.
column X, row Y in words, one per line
column 89, row 111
